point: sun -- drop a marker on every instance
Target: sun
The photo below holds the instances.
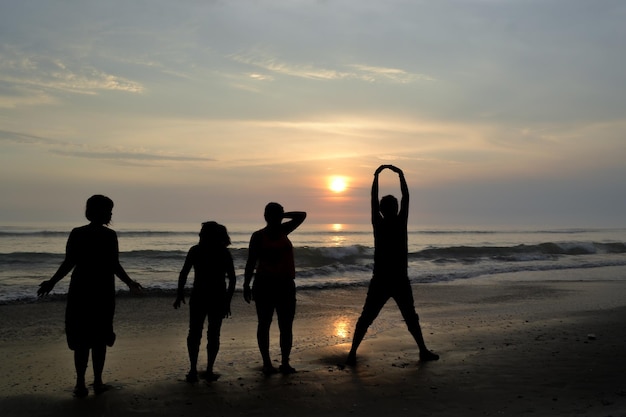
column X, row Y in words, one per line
column 337, row 184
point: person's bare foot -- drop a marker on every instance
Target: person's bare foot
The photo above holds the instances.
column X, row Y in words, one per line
column 427, row 355
column 210, row 376
column 80, row 391
column 99, row 388
column 191, row 377
column 286, row 369
column 269, row 370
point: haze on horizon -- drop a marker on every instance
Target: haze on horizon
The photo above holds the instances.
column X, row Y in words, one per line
column 500, row 112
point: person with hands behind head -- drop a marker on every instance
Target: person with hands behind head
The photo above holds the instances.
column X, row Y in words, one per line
column 390, row 277
column 271, row 264
column 210, row 298
column 92, row 253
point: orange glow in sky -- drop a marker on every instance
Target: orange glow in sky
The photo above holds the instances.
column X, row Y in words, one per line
column 173, row 136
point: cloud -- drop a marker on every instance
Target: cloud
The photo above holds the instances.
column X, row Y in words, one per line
column 87, row 151
column 51, row 73
column 261, row 77
column 391, row 74
column 300, row 71
column 25, row 138
column 357, row 71
column 123, row 155
column 14, row 96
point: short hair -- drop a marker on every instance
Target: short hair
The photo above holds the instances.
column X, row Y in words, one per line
column 273, row 211
column 389, row 205
column 98, row 209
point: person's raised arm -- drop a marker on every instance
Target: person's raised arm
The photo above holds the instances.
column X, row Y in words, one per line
column 296, row 219
column 375, row 201
column 404, row 188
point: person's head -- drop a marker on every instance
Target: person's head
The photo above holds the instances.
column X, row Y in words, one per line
column 389, row 206
column 99, row 209
column 213, row 233
column 274, row 213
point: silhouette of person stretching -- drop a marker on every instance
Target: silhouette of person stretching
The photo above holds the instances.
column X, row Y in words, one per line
column 92, row 252
column 271, row 254
column 212, row 263
column 390, row 278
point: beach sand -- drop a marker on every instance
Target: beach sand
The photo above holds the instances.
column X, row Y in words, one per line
column 533, row 343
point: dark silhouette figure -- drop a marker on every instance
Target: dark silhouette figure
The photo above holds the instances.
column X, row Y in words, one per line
column 271, row 255
column 390, row 278
column 210, row 299
column 92, row 252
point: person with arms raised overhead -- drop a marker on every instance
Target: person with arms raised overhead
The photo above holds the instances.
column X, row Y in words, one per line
column 390, row 277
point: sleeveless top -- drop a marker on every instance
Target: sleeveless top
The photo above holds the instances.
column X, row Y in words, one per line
column 275, row 256
column 211, row 265
column 94, row 250
column 390, row 247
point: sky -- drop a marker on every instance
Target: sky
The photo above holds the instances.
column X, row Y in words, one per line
column 499, row 112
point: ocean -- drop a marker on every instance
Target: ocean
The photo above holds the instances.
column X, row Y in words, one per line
column 327, row 255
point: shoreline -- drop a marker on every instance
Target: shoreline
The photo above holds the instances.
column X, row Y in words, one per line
column 600, row 273
column 514, row 345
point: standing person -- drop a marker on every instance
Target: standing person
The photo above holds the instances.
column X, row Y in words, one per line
column 271, row 255
column 92, row 252
column 212, row 263
column 390, row 278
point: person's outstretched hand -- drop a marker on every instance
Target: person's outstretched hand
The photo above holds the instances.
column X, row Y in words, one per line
column 45, row 288
column 135, row 287
column 180, row 299
column 247, row 293
column 227, row 312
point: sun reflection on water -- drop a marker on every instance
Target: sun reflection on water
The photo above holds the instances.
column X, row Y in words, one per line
column 337, row 240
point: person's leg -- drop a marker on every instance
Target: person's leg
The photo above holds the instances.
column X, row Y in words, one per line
column 374, row 302
column 265, row 311
column 98, row 357
column 75, row 325
column 286, row 312
column 81, row 358
column 194, row 336
column 213, row 344
column 403, row 295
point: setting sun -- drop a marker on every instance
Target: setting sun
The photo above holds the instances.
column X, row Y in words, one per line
column 338, row 184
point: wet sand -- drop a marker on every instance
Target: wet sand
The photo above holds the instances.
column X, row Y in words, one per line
column 519, row 344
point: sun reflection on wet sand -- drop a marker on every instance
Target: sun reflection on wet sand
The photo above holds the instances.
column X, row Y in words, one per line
column 342, row 327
